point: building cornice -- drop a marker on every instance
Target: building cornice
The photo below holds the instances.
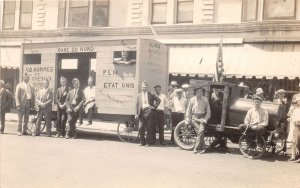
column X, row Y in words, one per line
column 252, row 30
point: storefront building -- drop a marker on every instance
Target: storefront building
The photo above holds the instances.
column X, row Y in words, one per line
column 261, row 38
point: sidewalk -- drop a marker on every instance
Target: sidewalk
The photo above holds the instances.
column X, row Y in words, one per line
column 97, row 126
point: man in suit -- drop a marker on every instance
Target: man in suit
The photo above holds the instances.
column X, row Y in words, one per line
column 44, row 100
column 60, row 101
column 146, row 104
column 74, row 102
column 25, row 100
column 4, row 102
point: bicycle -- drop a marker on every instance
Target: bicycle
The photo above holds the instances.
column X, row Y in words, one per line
column 128, row 131
column 32, row 123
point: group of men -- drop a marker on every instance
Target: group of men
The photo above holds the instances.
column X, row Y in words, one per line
column 71, row 104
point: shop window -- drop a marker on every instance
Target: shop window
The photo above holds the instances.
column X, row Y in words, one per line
column 79, row 13
column 26, row 14
column 69, row 64
column 9, row 14
column 61, row 13
column 185, row 11
column 249, row 10
column 279, row 9
column 100, row 12
column 32, row 59
column 159, row 12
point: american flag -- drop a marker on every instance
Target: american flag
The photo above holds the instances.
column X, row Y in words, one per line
column 219, row 76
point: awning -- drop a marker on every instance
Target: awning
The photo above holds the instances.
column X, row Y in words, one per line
column 239, row 60
column 10, row 57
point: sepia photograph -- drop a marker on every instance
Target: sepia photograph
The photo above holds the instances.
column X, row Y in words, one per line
column 150, row 93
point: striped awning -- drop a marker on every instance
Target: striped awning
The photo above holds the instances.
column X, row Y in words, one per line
column 10, row 57
column 239, row 60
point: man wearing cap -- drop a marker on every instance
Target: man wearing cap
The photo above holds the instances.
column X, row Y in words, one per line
column 74, row 102
column 44, row 107
column 4, row 102
column 178, row 105
column 260, row 93
column 160, row 113
column 25, row 100
column 198, row 113
column 147, row 102
column 257, row 118
column 60, row 101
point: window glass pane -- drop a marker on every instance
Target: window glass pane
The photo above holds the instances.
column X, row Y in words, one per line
column 25, row 21
column 185, row 11
column 69, row 63
column 249, row 10
column 61, row 4
column 159, row 13
column 79, row 17
column 9, row 7
column 8, row 21
column 61, row 18
column 100, row 13
column 279, row 9
column 26, row 6
column 79, row 3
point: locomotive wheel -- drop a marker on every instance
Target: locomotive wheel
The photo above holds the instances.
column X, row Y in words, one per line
column 185, row 136
column 128, row 131
column 252, row 146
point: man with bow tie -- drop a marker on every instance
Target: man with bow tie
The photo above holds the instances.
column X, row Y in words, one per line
column 25, row 100
column 44, row 107
column 60, row 100
column 74, row 102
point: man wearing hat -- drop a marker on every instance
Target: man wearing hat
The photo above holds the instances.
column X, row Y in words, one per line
column 257, row 118
column 146, row 104
column 60, row 101
column 4, row 102
column 198, row 113
column 178, row 105
column 294, row 130
column 186, row 92
column 173, row 87
column 246, row 93
column 25, row 100
column 74, row 102
column 160, row 113
column 260, row 93
column 44, row 107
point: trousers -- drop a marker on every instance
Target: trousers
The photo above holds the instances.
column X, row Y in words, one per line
column 146, row 121
column 72, row 119
column 23, row 112
column 47, row 117
column 160, row 123
column 61, row 121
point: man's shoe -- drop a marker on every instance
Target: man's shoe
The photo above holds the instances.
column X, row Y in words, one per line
column 74, row 136
column 141, row 144
column 162, row 143
column 67, row 136
column 19, row 134
column 61, row 136
column 202, row 151
column 195, row 151
column 297, row 161
column 24, row 133
column 33, row 134
column 57, row 135
column 292, row 159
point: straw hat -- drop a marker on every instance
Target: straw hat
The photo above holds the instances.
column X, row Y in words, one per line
column 174, row 83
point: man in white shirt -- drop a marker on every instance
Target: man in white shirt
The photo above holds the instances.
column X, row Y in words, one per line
column 160, row 114
column 90, row 95
column 178, row 105
column 25, row 100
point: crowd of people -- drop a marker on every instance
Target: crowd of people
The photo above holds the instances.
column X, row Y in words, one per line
column 154, row 110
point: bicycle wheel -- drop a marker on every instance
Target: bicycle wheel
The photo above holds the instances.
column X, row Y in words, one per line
column 185, row 136
column 252, row 146
column 31, row 124
column 276, row 145
column 128, row 131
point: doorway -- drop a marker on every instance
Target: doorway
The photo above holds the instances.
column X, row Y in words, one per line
column 76, row 65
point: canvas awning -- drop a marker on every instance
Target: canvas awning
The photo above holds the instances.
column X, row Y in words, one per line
column 239, row 60
column 10, row 57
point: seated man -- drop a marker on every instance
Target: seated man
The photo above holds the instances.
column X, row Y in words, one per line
column 257, row 118
column 198, row 112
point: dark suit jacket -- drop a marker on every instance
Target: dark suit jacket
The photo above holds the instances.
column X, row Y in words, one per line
column 153, row 100
column 61, row 96
column 4, row 100
column 78, row 98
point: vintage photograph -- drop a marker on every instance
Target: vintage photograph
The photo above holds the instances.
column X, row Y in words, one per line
column 150, row 93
